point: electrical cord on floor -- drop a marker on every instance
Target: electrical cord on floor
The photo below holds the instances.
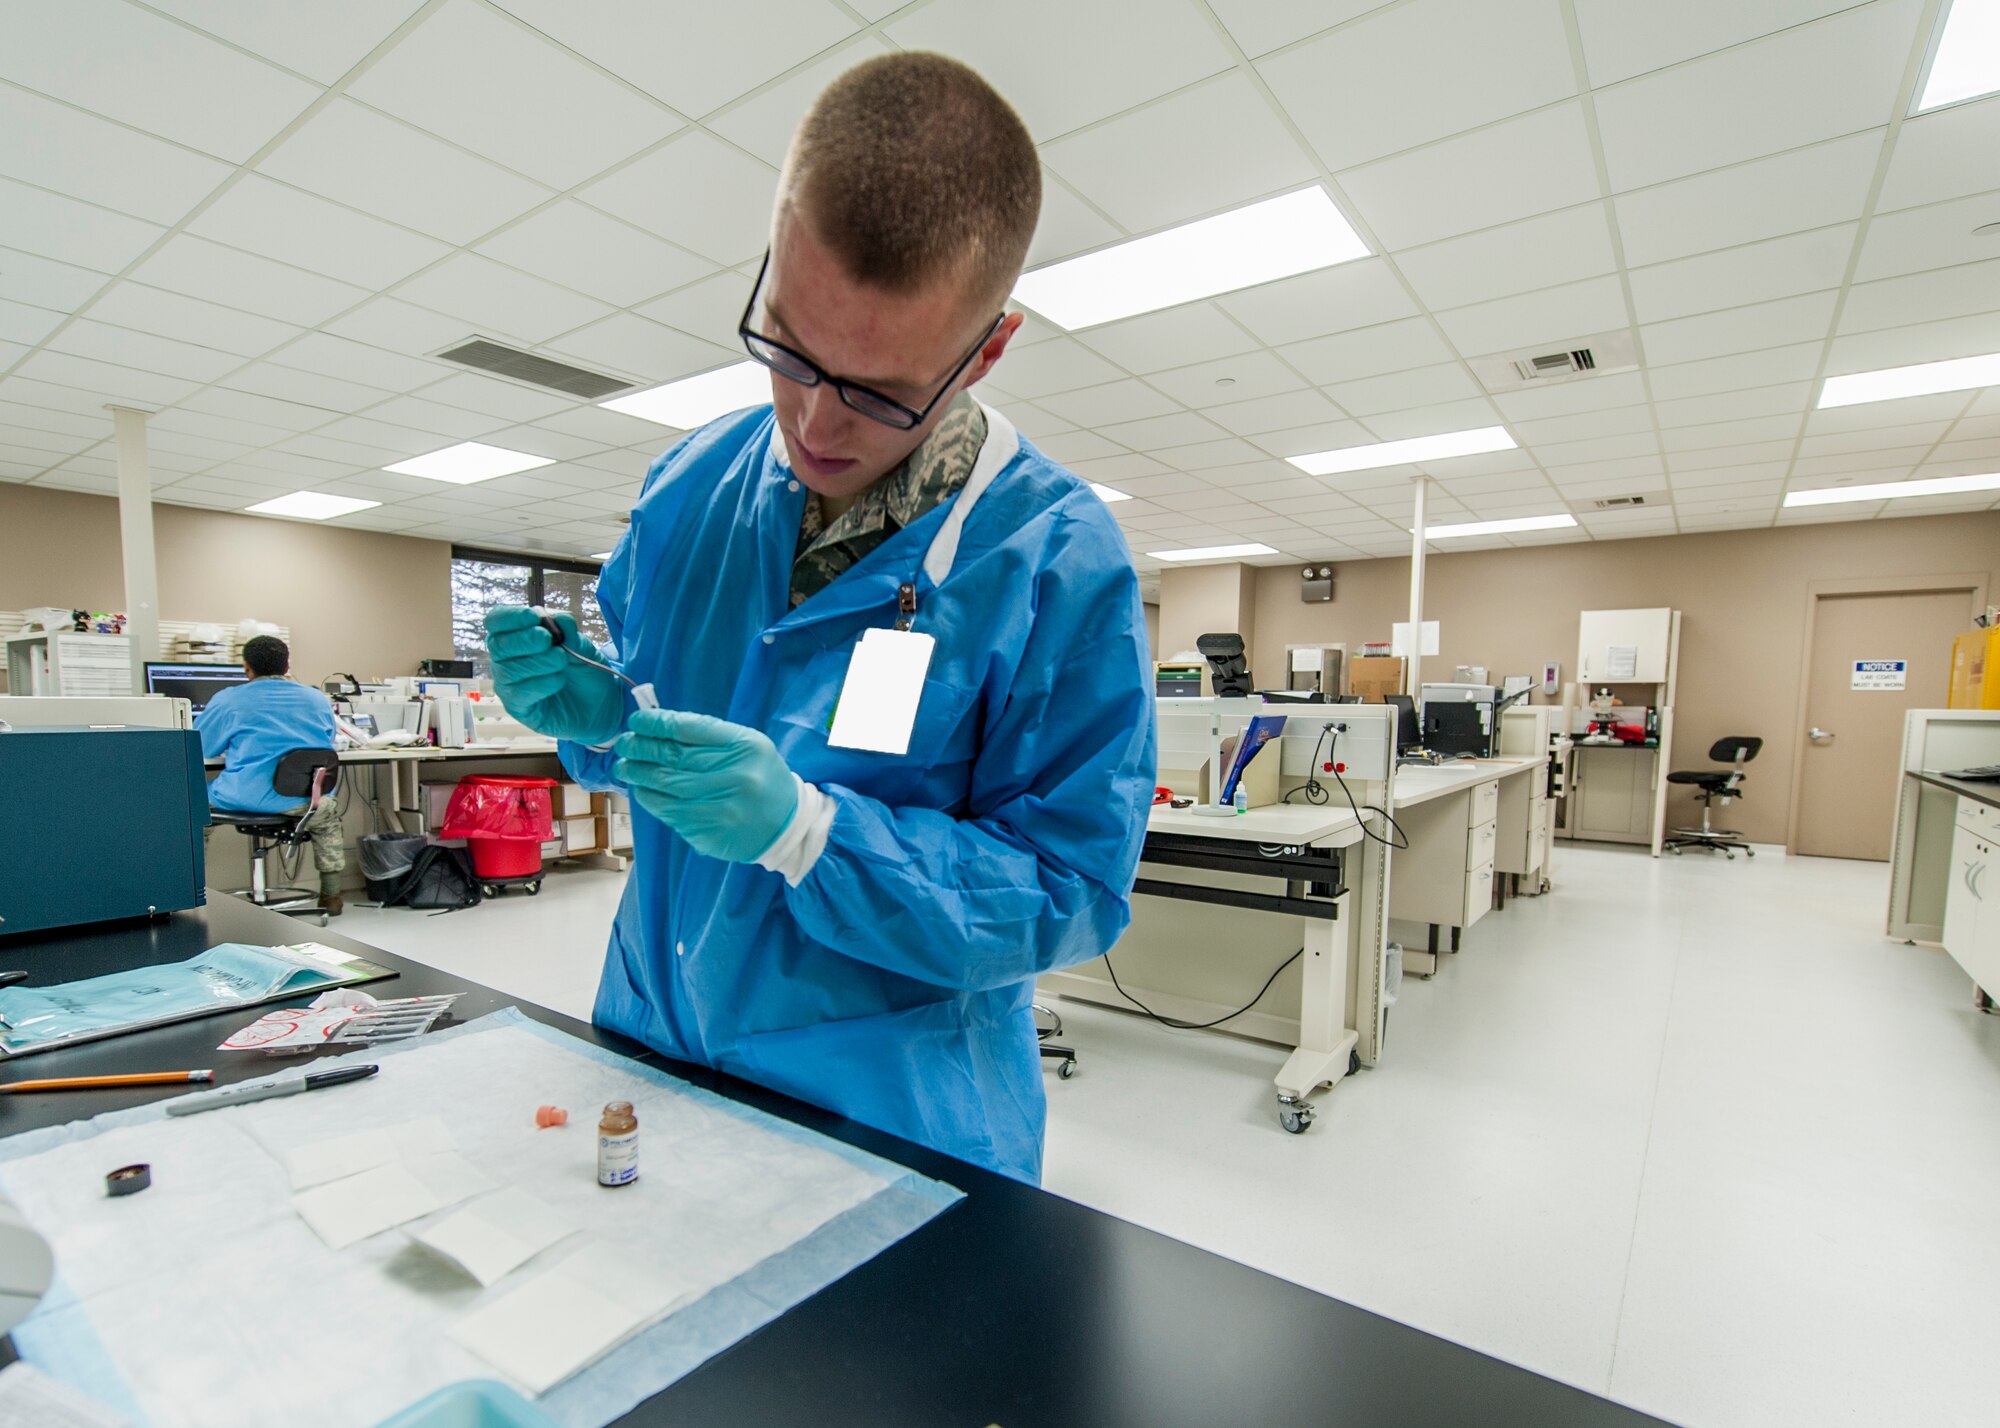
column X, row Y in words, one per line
column 1168, row 1021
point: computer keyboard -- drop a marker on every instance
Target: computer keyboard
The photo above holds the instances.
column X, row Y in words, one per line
column 1982, row 773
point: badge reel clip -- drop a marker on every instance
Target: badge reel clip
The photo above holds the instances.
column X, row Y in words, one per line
column 642, row 694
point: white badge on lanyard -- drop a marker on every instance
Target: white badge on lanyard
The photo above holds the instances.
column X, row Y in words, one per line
column 878, row 701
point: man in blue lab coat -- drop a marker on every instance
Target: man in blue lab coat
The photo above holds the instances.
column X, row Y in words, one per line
column 851, row 907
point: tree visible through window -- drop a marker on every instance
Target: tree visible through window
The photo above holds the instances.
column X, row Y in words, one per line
column 481, row 579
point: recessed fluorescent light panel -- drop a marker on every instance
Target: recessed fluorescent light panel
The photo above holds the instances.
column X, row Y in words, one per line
column 700, row 399
column 1519, row 523
column 311, row 506
column 1260, row 243
column 1966, row 63
column 1212, row 552
column 467, row 462
column 601, row 555
column 1958, row 375
column 1400, row 453
column 1107, row 495
column 1893, row 490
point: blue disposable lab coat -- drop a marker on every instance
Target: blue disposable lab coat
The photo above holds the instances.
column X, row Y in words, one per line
column 893, row 984
column 251, row 725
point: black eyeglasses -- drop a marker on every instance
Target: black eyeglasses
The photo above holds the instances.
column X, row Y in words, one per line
column 788, row 362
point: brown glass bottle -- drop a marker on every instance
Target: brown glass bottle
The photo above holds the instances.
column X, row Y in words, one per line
column 618, row 1145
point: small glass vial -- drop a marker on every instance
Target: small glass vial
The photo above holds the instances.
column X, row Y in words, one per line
column 618, row 1145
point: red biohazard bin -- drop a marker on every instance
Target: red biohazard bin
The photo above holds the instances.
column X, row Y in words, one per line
column 504, row 821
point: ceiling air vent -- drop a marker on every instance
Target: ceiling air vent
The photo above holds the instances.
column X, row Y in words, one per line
column 1618, row 503
column 1545, row 365
column 502, row 361
column 1556, row 364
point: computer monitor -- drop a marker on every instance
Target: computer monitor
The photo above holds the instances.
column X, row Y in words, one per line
column 195, row 683
column 1408, row 735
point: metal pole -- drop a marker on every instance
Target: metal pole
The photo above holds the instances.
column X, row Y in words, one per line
column 135, row 529
column 1416, row 655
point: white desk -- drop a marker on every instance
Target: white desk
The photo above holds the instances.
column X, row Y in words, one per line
column 1450, row 814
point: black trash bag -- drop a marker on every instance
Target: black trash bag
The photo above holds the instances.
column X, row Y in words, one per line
column 386, row 859
column 441, row 879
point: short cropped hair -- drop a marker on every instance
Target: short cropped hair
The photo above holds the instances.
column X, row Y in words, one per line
column 266, row 655
column 911, row 167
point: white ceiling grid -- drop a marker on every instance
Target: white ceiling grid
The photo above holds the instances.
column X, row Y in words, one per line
column 257, row 220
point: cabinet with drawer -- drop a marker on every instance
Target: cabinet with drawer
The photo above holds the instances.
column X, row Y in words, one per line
column 1972, row 895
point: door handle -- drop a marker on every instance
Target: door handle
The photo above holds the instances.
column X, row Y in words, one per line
column 1818, row 733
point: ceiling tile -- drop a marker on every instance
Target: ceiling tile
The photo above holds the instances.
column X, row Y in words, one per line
column 1946, row 154
column 1778, row 267
column 187, row 319
column 1139, row 475
column 1907, row 411
column 144, row 351
column 1368, row 351
column 358, row 362
column 694, row 57
column 1596, row 452
column 1495, row 175
column 436, row 418
column 1067, row 225
column 646, row 351
column 1583, row 426
column 1129, row 400
column 198, row 268
column 57, row 147
column 108, row 56
column 1538, row 252
column 1808, row 188
column 1419, row 387
column 1922, row 297
column 1795, row 363
column 321, row 42
column 399, row 327
column 1755, row 439
column 730, row 224
column 1029, row 419
column 1336, row 299
column 1069, row 446
column 107, row 381
column 1228, row 379
column 43, row 282
column 1935, row 237
column 712, row 308
column 1290, row 409
column 1563, row 314
column 1206, row 456
column 275, row 220
column 24, row 324
column 1923, row 342
column 764, row 122
column 594, row 423
column 1065, row 63
column 1207, row 148
column 1921, row 434
column 500, row 300
column 1357, row 97
column 1178, row 337
column 1740, row 329
column 1620, row 389
column 1809, row 83
column 1060, row 366
column 331, row 395
column 1175, row 428
column 1786, row 398
column 1717, row 452
column 1315, row 436
column 1621, row 40
column 464, row 73
column 516, row 401
column 394, row 171
column 54, row 226
column 1261, row 26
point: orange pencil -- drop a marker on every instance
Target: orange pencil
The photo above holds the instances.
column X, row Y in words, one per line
column 84, row 1083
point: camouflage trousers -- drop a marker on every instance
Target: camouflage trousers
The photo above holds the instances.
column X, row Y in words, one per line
column 329, row 851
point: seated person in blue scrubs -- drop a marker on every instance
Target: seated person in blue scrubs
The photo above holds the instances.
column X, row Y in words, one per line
column 851, row 907
column 250, row 725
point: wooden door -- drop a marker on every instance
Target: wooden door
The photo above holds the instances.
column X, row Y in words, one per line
column 1850, row 767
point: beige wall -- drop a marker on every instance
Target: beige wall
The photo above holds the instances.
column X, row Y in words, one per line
column 1153, row 630
column 1741, row 594
column 1199, row 600
column 358, row 601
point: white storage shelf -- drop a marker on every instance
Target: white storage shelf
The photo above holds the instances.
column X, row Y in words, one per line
column 68, row 664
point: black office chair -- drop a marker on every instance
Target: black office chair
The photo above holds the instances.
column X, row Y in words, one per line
column 308, row 774
column 1716, row 786
column 1063, row 1056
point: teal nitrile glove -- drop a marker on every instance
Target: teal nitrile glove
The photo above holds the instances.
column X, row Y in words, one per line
column 543, row 686
column 724, row 788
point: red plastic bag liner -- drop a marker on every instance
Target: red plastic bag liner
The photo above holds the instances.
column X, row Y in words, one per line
column 489, row 806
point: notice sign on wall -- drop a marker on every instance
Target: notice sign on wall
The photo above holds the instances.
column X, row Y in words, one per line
column 1879, row 673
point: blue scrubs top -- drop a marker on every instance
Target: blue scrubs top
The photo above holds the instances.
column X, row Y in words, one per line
column 893, row 984
column 251, row 725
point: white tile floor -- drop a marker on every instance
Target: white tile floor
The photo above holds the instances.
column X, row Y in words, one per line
column 1690, row 1133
